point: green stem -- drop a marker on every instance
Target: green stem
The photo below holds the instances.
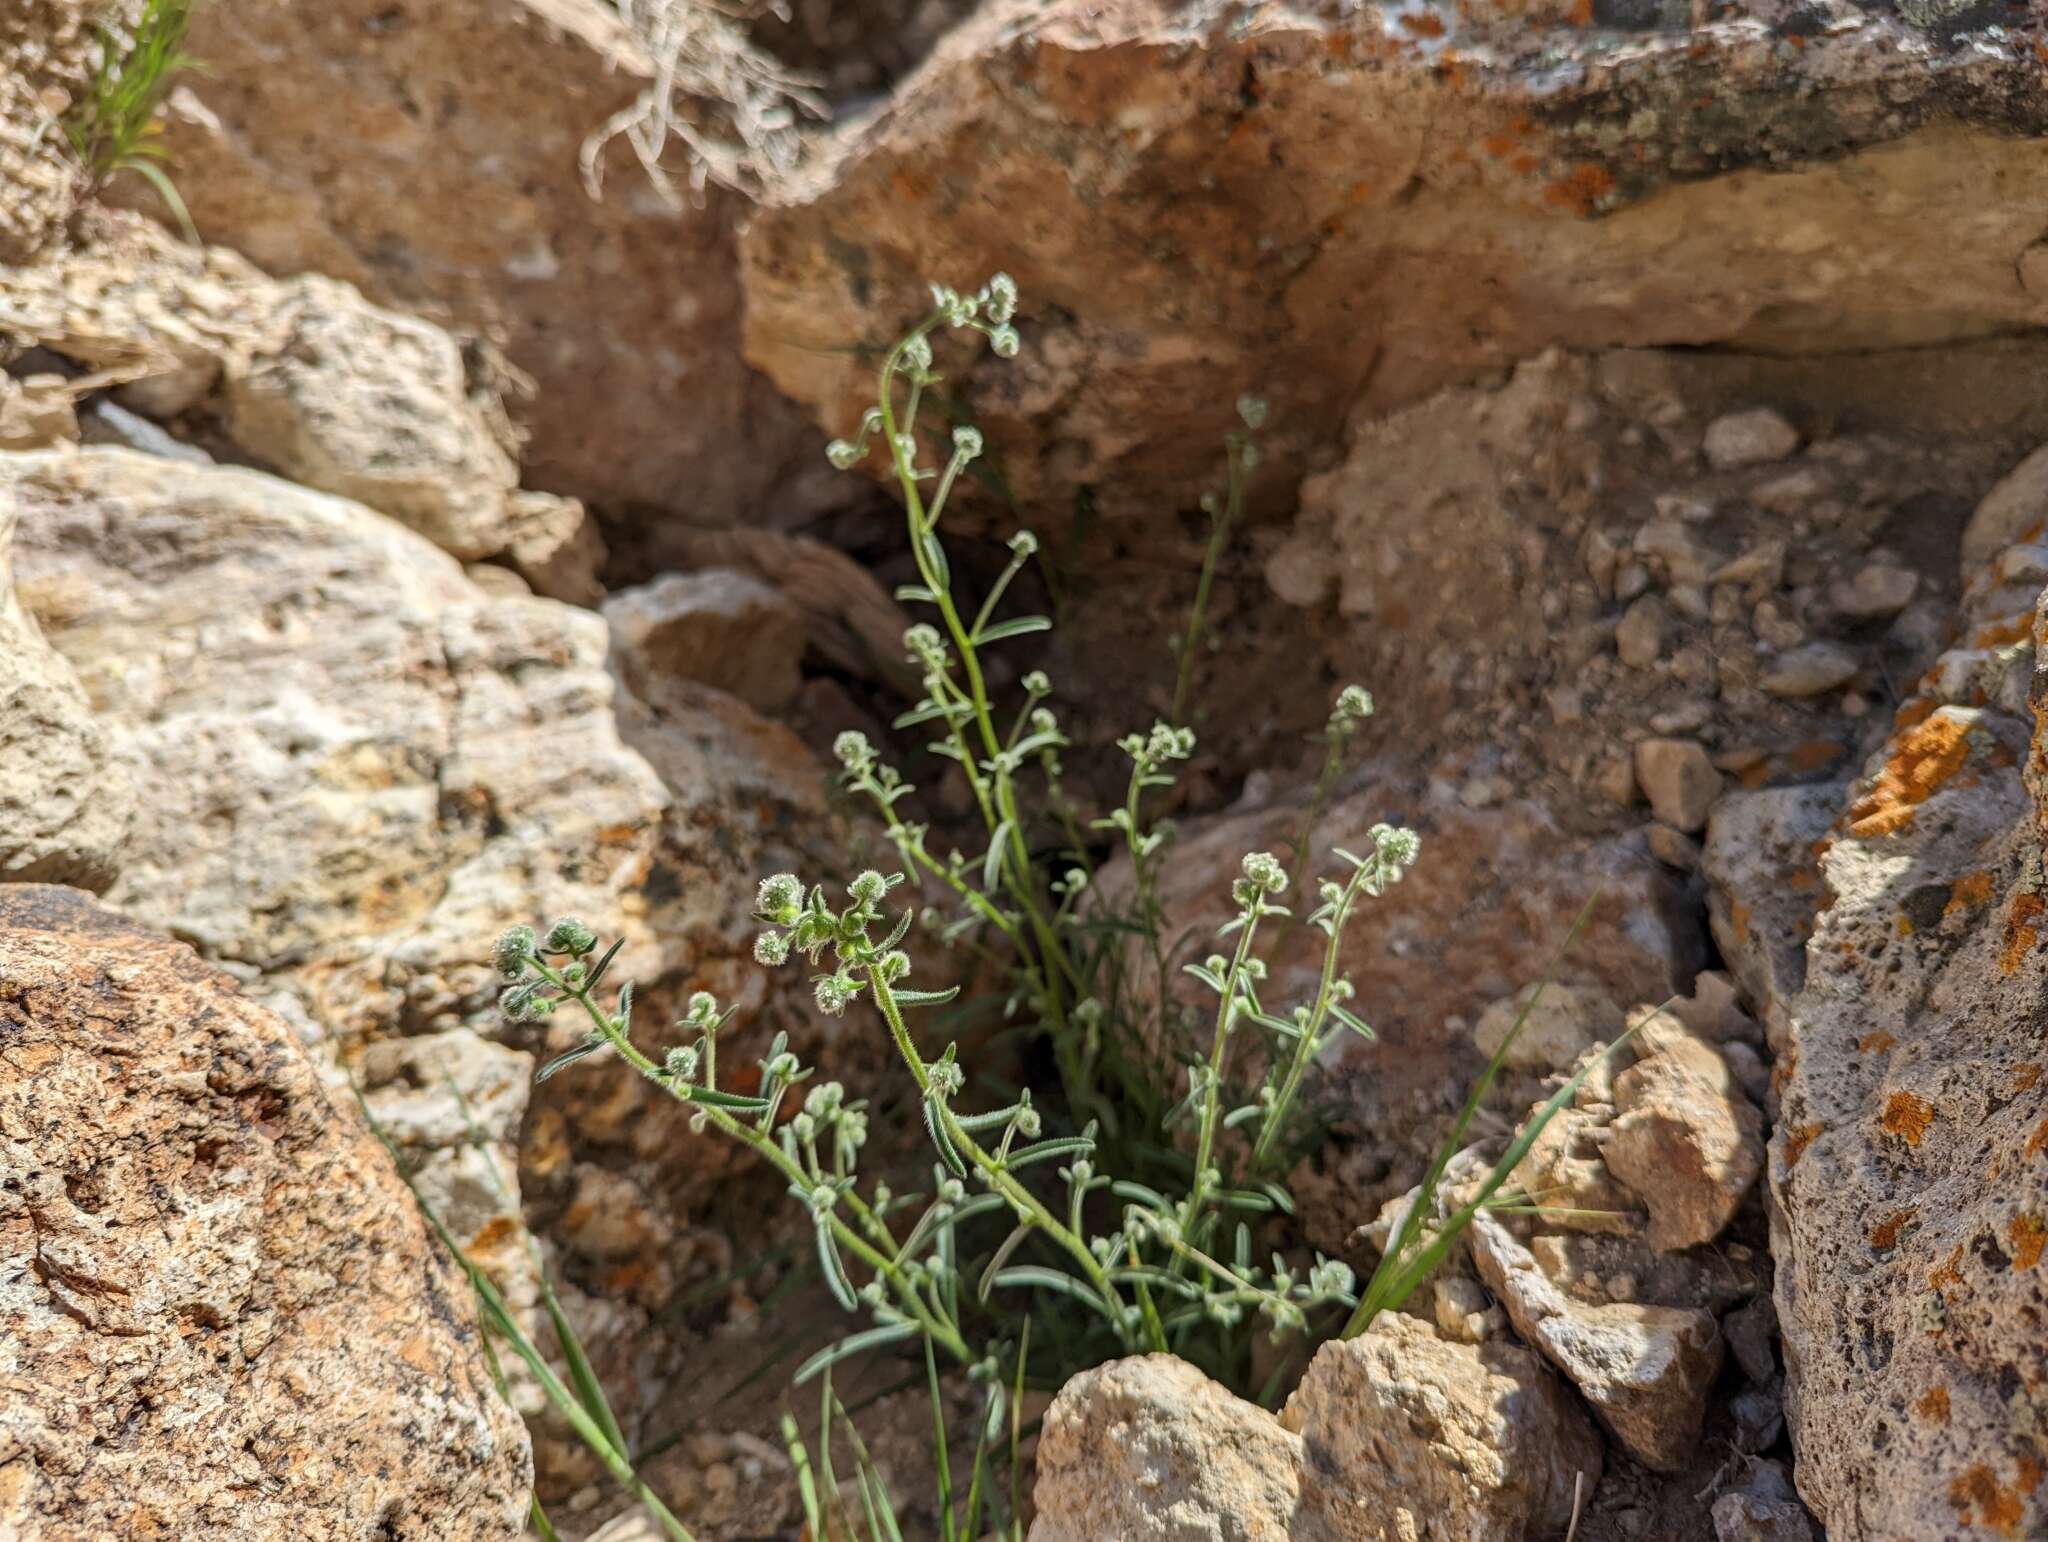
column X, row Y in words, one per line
column 1226, row 1009
column 941, row 1331
column 998, row 1178
column 1305, row 1047
column 1233, row 503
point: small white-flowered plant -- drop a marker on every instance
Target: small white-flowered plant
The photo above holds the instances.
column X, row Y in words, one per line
column 1122, row 1202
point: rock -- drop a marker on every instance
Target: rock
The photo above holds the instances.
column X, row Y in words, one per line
column 1465, row 1314
column 223, row 1313
column 1749, row 438
column 1752, row 1335
column 1906, row 1182
column 718, row 627
column 1108, row 157
column 372, row 405
column 1761, row 568
column 1673, row 848
column 1686, row 1140
column 65, row 801
column 1877, row 592
column 1639, row 639
column 1645, row 1370
column 2014, row 511
column 1567, row 1177
column 1679, row 779
column 850, row 620
column 307, row 148
column 1763, row 1510
column 1758, row 1414
column 1812, row 669
column 1676, row 554
column 451, row 1104
column 1562, row 1024
column 312, row 381
column 36, row 413
column 1763, row 887
column 1404, row 1434
column 1150, row 1448
column 1394, row 1433
column 355, row 767
column 48, row 50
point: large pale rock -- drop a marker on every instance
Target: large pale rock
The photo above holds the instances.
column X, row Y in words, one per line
column 65, row 804
column 1407, row 1435
column 1150, row 1450
column 430, row 157
column 1644, row 1369
column 356, row 767
column 1359, row 206
column 222, row 1312
column 310, row 380
column 1906, row 1168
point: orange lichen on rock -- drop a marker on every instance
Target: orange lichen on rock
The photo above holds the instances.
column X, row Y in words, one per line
column 2022, row 931
column 1969, row 892
column 2037, row 1142
column 1581, row 189
column 2028, row 1236
column 1934, row 1406
column 1949, row 1273
column 1924, row 757
column 1907, row 1117
column 1885, row 1235
column 1980, row 1499
column 2025, row 1076
column 2015, row 629
column 1797, row 1139
column 1875, row 1043
column 1738, row 918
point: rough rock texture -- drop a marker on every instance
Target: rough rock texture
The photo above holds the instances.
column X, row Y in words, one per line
column 356, row 767
column 65, row 806
column 624, row 310
column 1686, row 1139
column 1348, row 207
column 717, row 626
column 48, row 49
column 1558, row 1026
column 1405, row 1435
column 223, row 1313
column 1644, row 1369
column 1907, row 1166
column 304, row 377
column 1150, row 1450
column 1397, row 1434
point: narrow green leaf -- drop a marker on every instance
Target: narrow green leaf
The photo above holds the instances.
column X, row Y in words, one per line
column 590, row 1046
column 727, row 1100
column 853, row 1344
column 1034, row 1277
column 1010, row 1245
column 1017, row 626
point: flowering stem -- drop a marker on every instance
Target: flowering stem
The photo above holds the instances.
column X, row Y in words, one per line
column 1275, row 1122
column 889, row 1267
